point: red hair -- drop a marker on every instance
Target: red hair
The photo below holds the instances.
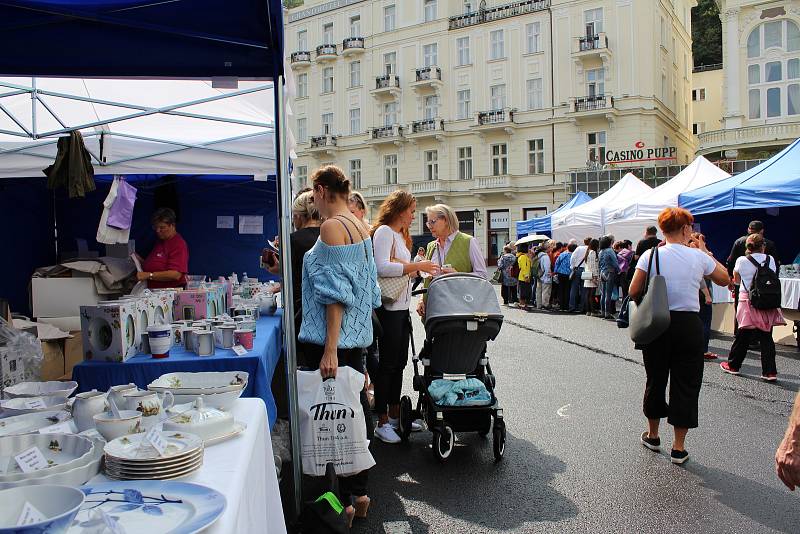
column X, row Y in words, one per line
column 673, row 219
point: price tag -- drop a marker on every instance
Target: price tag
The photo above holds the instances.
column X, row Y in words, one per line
column 31, row 460
column 60, row 428
column 4, row 461
column 35, row 404
column 154, row 438
column 239, row 350
column 30, row 515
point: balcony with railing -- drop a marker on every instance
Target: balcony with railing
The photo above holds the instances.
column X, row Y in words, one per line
column 765, row 135
column 429, row 187
column 427, row 128
column 353, row 46
column 392, row 134
column 492, row 14
column 322, row 144
column 386, row 85
column 381, row 191
column 300, row 59
column 592, row 106
column 592, row 46
column 326, row 52
column 495, row 119
column 427, row 78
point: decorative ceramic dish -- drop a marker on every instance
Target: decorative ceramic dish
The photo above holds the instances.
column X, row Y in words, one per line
column 61, row 451
column 237, row 429
column 220, row 401
column 58, row 504
column 53, row 388
column 200, row 383
column 131, row 448
column 31, row 422
column 86, row 469
column 156, row 474
column 140, row 467
column 151, row 506
column 23, row 405
column 204, row 421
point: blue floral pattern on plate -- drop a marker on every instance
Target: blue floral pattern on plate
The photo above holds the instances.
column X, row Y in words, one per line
column 151, row 506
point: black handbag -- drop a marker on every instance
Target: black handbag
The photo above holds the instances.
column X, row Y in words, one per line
column 650, row 318
column 623, row 318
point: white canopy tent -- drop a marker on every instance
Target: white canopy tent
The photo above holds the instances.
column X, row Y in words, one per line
column 587, row 219
column 134, row 126
column 629, row 222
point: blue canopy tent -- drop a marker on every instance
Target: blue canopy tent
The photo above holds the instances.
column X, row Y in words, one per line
column 542, row 225
column 769, row 192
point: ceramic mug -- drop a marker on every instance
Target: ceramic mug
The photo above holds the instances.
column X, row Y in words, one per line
column 244, row 338
column 110, row 427
column 177, row 329
column 248, row 325
column 150, row 404
column 205, row 343
column 224, row 336
column 117, row 393
column 160, row 336
column 86, row 406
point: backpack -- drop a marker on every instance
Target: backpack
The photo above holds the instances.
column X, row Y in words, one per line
column 765, row 290
column 514, row 270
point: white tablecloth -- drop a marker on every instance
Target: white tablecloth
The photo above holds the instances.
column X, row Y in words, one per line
column 791, row 293
column 242, row 469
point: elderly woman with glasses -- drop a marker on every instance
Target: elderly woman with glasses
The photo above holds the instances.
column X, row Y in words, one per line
column 168, row 262
column 452, row 250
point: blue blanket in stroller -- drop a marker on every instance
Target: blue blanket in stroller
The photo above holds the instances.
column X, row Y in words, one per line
column 469, row 392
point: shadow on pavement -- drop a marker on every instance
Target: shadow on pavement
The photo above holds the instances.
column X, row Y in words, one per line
column 469, row 487
column 778, row 509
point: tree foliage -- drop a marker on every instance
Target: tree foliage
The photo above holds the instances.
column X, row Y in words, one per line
column 292, row 3
column 706, row 33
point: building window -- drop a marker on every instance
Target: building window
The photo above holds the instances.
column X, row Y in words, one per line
column 496, row 45
column 664, row 88
column 355, row 173
column 431, row 107
column 327, row 33
column 302, row 85
column 534, row 88
column 462, row 51
column 301, row 174
column 389, row 14
column 302, row 130
column 536, row 156
column 754, row 104
column 793, row 99
column 390, row 168
column 355, row 74
column 327, row 80
column 533, row 37
column 390, row 63
column 355, row 27
column 431, row 164
column 497, row 97
column 596, row 148
column 430, row 55
column 499, row 159
column 698, row 95
column 355, row 121
column 774, row 102
column 465, row 163
column 698, row 128
column 462, row 97
column 390, row 114
column 532, row 213
column 593, row 21
column 595, row 82
column 429, row 9
column 663, row 27
column 302, row 41
column 770, row 85
column 327, row 123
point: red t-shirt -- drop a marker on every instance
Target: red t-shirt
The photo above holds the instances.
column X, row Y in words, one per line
column 169, row 255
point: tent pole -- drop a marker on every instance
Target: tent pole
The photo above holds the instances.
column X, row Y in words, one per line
column 285, row 212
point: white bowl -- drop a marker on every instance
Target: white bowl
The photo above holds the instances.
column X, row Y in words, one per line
column 53, row 388
column 59, row 505
column 111, row 428
column 200, row 383
column 70, row 452
column 19, row 405
column 79, row 475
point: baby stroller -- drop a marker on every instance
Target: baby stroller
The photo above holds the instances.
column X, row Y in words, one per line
column 462, row 314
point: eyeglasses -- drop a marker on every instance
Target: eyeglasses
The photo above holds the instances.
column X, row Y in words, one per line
column 430, row 222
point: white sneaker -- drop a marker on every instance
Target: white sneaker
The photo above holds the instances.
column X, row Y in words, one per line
column 416, row 425
column 387, row 434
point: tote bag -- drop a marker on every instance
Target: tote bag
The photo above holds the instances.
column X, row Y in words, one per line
column 650, row 318
column 392, row 287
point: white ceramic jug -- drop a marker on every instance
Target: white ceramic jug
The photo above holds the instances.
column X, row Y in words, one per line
column 86, row 406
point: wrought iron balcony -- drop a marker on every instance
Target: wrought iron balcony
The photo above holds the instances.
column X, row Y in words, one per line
column 353, row 45
column 512, row 9
column 495, row 116
column 301, row 58
column 593, row 103
column 386, row 134
column 429, row 73
column 326, row 52
column 387, row 81
column 592, row 42
column 432, row 126
column 323, row 141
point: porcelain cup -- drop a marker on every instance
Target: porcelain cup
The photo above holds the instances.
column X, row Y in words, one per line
column 110, row 427
column 160, row 339
column 150, row 404
column 205, row 343
column 86, row 406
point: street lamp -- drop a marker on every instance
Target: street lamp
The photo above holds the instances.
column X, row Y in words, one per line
column 477, row 216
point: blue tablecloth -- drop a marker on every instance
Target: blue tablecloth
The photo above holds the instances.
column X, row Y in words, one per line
column 143, row 369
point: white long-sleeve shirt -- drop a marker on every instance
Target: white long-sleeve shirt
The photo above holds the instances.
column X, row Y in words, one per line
column 382, row 240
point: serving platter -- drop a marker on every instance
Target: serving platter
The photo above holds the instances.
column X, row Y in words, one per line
column 85, row 470
column 21, row 405
column 200, row 383
column 53, row 388
column 28, row 423
column 131, row 448
column 61, row 451
column 237, row 429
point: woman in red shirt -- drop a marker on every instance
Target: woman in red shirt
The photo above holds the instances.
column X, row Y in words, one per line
column 168, row 262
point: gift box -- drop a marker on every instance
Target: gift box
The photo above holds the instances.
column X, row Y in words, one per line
column 194, row 304
column 111, row 331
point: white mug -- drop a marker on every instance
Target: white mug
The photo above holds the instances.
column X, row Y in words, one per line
column 151, row 405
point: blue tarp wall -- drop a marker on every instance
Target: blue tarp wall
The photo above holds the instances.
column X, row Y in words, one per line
column 543, row 225
column 28, row 209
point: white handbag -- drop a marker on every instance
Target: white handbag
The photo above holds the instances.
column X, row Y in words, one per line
column 392, row 287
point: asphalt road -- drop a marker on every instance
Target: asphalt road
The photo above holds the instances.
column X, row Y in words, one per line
column 571, row 387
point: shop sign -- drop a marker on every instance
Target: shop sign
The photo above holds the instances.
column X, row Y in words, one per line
column 641, row 153
column 498, row 220
column 324, row 8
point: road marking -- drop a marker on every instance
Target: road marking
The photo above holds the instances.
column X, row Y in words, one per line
column 397, row 527
column 561, row 411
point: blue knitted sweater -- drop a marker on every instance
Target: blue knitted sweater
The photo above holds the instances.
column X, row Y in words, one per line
column 345, row 274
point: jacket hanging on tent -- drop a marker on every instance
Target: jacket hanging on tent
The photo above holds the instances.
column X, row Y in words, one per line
column 72, row 168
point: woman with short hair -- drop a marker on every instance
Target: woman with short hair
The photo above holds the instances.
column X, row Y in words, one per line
column 168, row 263
column 676, row 356
column 508, row 287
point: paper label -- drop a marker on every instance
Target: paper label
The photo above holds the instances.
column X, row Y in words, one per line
column 224, row 221
column 4, row 461
column 30, row 515
column 239, row 350
column 154, row 438
column 31, row 460
column 35, row 404
column 251, row 224
column 59, row 428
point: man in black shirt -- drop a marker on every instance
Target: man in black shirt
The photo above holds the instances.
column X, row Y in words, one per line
column 650, row 240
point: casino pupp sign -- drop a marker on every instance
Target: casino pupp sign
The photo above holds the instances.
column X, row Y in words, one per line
column 641, row 153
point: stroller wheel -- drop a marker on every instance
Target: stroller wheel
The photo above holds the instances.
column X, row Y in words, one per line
column 499, row 447
column 406, row 417
column 443, row 442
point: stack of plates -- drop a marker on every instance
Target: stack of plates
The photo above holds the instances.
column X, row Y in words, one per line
column 130, row 458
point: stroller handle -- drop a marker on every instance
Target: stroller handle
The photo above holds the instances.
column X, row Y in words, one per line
column 419, row 292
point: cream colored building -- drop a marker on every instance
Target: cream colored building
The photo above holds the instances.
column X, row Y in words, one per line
column 761, row 100
column 489, row 106
column 706, row 99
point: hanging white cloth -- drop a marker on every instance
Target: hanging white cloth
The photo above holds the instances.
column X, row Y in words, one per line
column 106, row 234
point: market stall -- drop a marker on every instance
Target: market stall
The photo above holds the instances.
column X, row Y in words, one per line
column 543, row 224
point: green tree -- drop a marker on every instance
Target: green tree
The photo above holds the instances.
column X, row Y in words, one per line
column 706, row 33
column 292, row 3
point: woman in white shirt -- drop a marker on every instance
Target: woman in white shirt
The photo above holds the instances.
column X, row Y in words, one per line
column 676, row 356
column 754, row 324
column 392, row 242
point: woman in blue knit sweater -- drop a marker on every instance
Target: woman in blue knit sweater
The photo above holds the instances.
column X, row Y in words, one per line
column 340, row 290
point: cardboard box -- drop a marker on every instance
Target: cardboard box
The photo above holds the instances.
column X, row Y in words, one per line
column 67, row 324
column 73, row 352
column 110, row 331
column 200, row 303
column 62, row 297
column 53, row 362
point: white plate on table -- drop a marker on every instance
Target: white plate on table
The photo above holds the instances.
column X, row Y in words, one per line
column 200, row 383
column 131, row 448
column 32, row 422
column 23, row 405
column 53, row 388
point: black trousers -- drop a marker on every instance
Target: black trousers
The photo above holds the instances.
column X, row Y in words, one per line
column 393, row 349
column 563, row 291
column 675, row 357
column 739, row 349
column 349, row 486
column 509, row 294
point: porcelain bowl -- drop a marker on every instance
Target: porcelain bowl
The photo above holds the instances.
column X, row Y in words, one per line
column 200, row 383
column 54, row 388
column 59, row 505
column 19, row 406
column 111, row 428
